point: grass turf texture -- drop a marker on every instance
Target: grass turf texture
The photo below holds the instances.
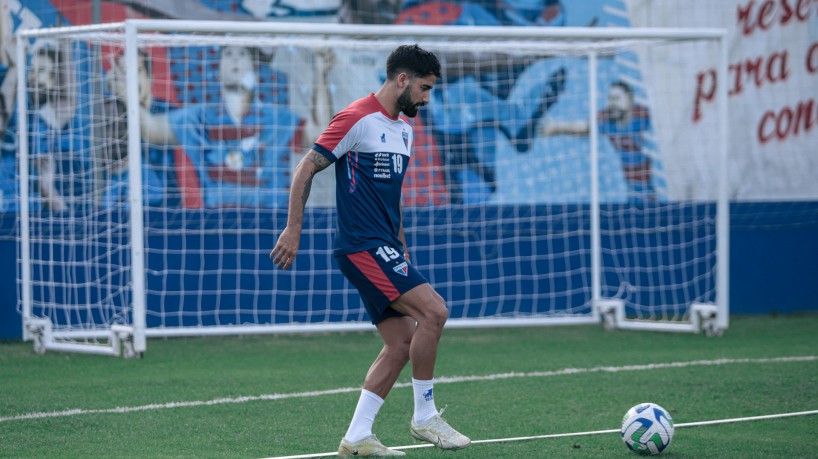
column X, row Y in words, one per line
column 200, row 369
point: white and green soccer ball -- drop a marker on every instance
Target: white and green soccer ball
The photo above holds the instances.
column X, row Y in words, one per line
column 647, row 429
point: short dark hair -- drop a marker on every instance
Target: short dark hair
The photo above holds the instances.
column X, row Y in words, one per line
column 255, row 53
column 413, row 60
column 623, row 86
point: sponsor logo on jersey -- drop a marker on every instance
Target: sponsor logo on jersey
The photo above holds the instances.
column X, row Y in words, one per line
column 383, row 138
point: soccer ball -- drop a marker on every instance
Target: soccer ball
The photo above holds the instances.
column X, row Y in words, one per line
column 647, row 429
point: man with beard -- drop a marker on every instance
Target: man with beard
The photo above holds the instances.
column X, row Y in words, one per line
column 371, row 144
column 625, row 124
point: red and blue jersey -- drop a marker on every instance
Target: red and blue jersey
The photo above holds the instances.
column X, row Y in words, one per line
column 239, row 165
column 371, row 151
column 628, row 140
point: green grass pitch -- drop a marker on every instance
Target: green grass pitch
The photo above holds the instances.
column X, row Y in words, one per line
column 184, row 398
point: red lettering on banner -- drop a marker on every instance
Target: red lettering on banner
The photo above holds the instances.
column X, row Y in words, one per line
column 765, row 15
column 802, row 10
column 777, row 68
column 770, row 12
column 744, row 18
column 756, row 71
column 764, row 134
column 786, row 12
column 772, row 69
column 708, row 78
column 750, row 68
column 805, row 116
column 783, row 123
column 788, row 122
column 812, row 58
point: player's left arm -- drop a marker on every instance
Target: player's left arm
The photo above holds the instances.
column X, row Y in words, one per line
column 283, row 254
column 402, row 236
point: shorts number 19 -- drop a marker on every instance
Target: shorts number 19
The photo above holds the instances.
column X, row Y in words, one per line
column 387, row 253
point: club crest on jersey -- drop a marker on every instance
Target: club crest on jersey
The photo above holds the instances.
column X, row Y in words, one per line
column 402, row 269
column 405, row 139
column 383, row 138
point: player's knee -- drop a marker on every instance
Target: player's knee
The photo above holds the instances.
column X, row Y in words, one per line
column 443, row 314
column 436, row 316
column 400, row 349
column 399, row 353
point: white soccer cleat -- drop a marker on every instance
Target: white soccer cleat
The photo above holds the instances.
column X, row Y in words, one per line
column 368, row 447
column 438, row 432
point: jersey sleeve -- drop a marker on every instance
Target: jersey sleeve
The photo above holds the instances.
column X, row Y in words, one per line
column 341, row 136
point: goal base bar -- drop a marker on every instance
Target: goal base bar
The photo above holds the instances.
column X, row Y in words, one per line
column 703, row 317
column 119, row 340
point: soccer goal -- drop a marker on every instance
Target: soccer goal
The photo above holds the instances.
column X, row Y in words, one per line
column 555, row 178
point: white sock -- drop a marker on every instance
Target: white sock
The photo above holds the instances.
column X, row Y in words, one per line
column 361, row 426
column 424, row 401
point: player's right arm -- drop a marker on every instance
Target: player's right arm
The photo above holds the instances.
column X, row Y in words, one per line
column 283, row 254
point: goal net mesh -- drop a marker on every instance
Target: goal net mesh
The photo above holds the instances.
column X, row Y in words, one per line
column 497, row 198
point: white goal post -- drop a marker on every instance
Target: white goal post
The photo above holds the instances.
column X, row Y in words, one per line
column 549, row 182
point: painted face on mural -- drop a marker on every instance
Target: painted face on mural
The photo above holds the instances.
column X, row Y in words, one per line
column 237, row 68
column 619, row 102
column 143, row 75
column 42, row 76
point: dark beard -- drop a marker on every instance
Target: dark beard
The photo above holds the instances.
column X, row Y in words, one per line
column 405, row 104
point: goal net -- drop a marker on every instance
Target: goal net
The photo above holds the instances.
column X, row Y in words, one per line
column 549, row 181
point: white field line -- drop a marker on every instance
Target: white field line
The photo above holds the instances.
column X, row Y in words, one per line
column 576, row 434
column 441, row 380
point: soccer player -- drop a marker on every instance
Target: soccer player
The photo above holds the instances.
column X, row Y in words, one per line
column 370, row 144
column 625, row 124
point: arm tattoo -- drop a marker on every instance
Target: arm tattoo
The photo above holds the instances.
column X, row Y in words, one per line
column 321, row 162
column 307, row 187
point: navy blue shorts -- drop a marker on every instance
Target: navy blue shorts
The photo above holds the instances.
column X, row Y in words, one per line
column 381, row 275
